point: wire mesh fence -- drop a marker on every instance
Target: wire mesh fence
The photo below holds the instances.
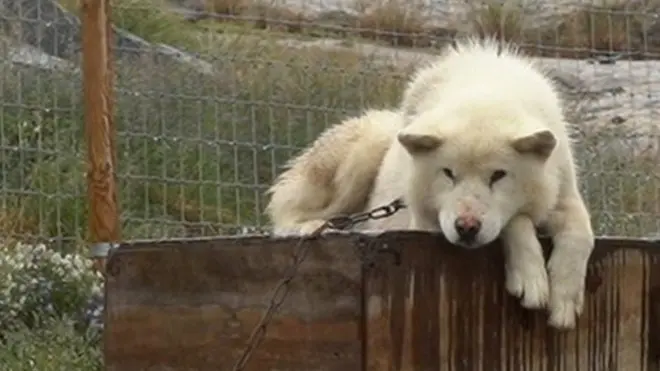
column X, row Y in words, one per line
column 213, row 97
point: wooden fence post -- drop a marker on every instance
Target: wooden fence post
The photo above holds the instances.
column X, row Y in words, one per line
column 98, row 81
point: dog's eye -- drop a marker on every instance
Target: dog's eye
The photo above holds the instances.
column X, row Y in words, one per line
column 497, row 175
column 448, row 173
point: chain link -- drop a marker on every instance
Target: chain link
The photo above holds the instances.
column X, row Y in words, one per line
column 300, row 252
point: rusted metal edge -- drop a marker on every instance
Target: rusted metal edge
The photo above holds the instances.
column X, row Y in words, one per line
column 396, row 240
column 101, row 249
column 603, row 247
column 601, row 242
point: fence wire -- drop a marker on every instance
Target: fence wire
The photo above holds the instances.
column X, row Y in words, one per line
column 214, row 96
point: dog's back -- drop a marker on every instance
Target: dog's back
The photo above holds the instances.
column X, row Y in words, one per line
column 334, row 175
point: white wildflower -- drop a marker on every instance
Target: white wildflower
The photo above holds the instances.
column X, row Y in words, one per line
column 35, row 278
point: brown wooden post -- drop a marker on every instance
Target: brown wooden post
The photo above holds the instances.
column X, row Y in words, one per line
column 104, row 228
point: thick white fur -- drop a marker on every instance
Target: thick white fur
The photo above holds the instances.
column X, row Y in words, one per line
column 335, row 175
column 479, row 108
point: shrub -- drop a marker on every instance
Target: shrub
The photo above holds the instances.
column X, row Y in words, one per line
column 228, row 7
column 56, row 346
column 38, row 285
column 399, row 22
column 607, row 26
column 505, row 20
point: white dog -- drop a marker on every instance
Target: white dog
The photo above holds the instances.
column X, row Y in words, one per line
column 479, row 149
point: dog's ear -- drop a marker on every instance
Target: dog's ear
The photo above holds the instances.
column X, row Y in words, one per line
column 417, row 142
column 540, row 143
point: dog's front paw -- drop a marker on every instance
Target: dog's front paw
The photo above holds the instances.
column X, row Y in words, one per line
column 566, row 293
column 529, row 282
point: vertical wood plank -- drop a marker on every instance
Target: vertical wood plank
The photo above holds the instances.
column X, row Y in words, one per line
column 461, row 317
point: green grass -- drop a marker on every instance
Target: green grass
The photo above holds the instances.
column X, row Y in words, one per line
column 196, row 152
column 57, row 346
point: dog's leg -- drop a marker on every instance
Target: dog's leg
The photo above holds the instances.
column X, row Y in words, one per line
column 573, row 241
column 526, row 275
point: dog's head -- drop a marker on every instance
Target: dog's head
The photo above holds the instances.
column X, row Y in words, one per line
column 473, row 172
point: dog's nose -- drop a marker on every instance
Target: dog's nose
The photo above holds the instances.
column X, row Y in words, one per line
column 467, row 228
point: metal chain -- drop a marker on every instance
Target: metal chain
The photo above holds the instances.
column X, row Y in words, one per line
column 349, row 221
column 300, row 252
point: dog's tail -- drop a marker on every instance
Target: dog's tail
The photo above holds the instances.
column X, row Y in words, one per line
column 334, row 175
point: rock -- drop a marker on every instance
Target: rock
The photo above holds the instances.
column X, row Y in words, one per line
column 617, row 103
column 45, row 25
column 27, row 55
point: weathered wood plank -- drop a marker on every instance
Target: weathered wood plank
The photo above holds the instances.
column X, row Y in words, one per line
column 192, row 305
column 426, row 305
column 444, row 308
